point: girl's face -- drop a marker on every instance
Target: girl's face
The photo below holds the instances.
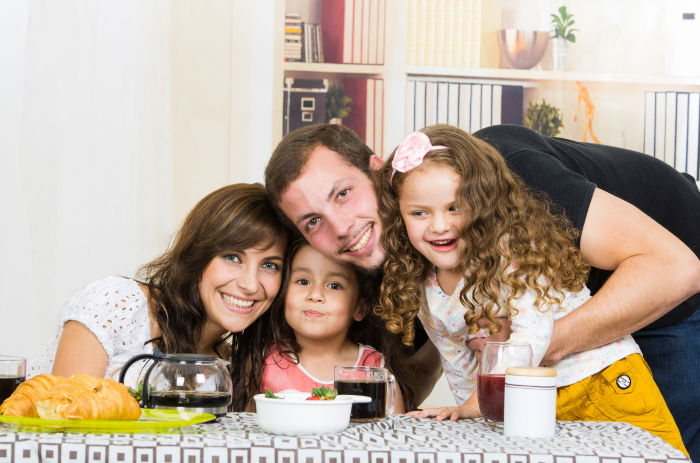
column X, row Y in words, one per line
column 236, row 288
column 429, row 209
column 322, row 297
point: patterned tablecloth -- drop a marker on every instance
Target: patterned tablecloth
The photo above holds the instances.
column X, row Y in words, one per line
column 236, row 438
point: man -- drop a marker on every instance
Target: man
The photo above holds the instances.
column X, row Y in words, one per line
column 644, row 275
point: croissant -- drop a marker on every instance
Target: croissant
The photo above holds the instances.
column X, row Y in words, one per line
column 22, row 402
column 85, row 397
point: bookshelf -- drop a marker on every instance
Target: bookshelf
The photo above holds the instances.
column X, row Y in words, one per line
column 348, row 49
column 617, row 76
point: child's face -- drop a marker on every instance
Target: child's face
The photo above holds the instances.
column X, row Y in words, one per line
column 428, row 205
column 322, row 297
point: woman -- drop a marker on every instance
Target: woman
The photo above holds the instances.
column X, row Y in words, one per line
column 217, row 280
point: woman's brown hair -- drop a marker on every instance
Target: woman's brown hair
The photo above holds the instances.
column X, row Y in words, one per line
column 513, row 239
column 231, row 219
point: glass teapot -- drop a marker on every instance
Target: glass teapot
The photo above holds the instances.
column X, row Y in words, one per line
column 192, row 382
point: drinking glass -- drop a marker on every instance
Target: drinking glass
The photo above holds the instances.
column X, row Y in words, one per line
column 496, row 357
column 12, row 373
column 375, row 382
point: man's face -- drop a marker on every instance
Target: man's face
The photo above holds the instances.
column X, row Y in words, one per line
column 334, row 205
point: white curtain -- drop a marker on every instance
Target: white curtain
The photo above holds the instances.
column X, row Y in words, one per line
column 86, row 179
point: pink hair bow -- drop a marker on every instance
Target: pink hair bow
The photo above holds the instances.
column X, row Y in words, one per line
column 411, row 151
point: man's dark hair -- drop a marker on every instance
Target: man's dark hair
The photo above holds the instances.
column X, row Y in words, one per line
column 292, row 153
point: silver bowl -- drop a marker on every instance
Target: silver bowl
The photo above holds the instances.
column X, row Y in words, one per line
column 523, row 49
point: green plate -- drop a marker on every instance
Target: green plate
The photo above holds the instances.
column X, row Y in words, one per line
column 150, row 420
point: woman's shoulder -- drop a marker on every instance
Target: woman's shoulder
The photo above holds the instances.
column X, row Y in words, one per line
column 107, row 295
column 110, row 286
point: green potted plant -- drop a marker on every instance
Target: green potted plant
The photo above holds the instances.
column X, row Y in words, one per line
column 543, row 118
column 337, row 104
column 563, row 33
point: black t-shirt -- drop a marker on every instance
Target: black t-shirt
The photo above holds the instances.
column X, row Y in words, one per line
column 569, row 171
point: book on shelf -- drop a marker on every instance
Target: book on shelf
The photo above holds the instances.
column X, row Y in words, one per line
column 672, row 129
column 353, row 31
column 337, row 24
column 692, row 164
column 366, row 110
column 468, row 105
column 681, row 142
column 302, row 40
column 444, row 33
column 293, row 37
column 649, row 121
column 660, row 125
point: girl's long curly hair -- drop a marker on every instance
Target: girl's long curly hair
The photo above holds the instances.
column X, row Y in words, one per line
column 231, row 219
column 513, row 239
column 369, row 331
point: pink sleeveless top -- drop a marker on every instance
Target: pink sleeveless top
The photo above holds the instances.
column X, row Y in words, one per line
column 279, row 373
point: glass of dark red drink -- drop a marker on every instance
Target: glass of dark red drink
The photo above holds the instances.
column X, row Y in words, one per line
column 12, row 373
column 495, row 358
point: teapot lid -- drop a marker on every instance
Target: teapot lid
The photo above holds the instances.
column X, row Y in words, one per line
column 189, row 358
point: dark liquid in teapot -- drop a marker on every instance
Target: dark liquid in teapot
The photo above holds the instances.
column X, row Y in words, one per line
column 190, row 399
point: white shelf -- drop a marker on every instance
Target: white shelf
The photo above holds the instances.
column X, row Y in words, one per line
column 334, row 68
column 530, row 75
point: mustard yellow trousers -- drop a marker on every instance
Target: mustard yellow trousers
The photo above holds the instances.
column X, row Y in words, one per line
column 624, row 391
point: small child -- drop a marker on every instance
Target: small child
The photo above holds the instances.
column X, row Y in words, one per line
column 464, row 240
column 324, row 323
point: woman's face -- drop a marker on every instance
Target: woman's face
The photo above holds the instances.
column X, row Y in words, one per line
column 237, row 287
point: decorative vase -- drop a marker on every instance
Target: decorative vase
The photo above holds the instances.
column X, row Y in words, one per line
column 560, row 48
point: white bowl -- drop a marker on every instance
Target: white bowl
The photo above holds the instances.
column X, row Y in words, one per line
column 293, row 415
column 523, row 49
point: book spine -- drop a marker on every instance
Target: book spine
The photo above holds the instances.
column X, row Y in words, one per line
column 453, row 104
column 442, row 102
column 410, row 124
column 670, row 129
column 465, row 105
column 694, row 135
column 379, row 117
column 681, row 141
column 333, row 28
column 660, row 125
column 348, row 18
column 431, row 103
column 649, row 120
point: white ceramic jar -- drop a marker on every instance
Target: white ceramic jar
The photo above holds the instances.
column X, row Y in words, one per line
column 530, row 402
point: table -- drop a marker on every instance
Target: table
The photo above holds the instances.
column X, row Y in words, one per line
column 236, row 438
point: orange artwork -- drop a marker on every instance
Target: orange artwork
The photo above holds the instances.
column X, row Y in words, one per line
column 588, row 111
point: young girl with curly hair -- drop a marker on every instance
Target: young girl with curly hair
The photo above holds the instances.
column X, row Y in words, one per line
column 465, row 239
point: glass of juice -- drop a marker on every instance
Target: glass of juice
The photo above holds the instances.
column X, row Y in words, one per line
column 496, row 357
column 12, row 373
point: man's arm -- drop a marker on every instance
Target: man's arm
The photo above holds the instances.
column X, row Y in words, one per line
column 653, row 272
column 427, row 368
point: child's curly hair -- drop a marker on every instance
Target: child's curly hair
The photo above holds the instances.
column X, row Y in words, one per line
column 513, row 239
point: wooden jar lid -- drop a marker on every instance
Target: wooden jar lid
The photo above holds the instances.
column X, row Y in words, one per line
column 531, row 371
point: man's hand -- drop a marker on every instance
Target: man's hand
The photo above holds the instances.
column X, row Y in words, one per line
column 476, row 345
column 469, row 409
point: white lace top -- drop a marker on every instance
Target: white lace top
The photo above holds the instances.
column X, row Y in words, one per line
column 115, row 309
